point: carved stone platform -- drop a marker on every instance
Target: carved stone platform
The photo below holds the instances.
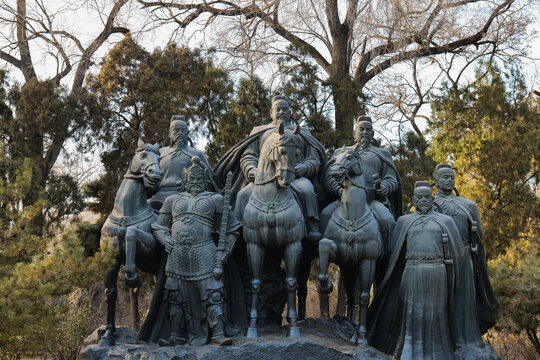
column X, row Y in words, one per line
column 321, row 339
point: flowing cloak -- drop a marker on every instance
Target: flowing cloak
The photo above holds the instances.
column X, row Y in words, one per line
column 156, row 324
column 486, row 302
column 395, row 198
column 383, row 309
column 231, row 160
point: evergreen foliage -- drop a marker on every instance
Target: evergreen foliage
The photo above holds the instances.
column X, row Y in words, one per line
column 250, row 107
column 489, row 132
column 309, row 97
column 516, row 282
column 412, row 163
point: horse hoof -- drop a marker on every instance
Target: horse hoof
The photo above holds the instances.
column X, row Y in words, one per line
column 354, row 339
column 326, row 288
column 133, row 281
column 362, row 342
column 252, row 333
column 294, row 332
column 106, row 341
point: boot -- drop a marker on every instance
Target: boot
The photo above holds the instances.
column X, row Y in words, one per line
column 218, row 337
column 178, row 327
column 173, row 340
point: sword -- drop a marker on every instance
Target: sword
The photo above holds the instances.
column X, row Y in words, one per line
column 222, row 243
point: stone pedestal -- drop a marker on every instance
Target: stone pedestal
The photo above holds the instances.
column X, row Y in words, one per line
column 321, row 340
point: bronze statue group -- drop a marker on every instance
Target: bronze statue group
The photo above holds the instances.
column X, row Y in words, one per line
column 275, row 197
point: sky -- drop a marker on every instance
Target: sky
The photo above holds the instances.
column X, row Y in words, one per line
column 84, row 21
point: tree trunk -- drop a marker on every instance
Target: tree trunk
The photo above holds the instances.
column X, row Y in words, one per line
column 134, row 303
column 346, row 107
column 341, row 307
column 324, row 305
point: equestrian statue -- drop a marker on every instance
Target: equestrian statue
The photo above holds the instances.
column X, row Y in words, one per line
column 352, row 239
column 128, row 229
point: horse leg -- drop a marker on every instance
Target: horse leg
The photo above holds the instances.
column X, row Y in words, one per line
column 293, row 251
column 132, row 279
column 256, row 261
column 367, row 274
column 327, row 249
column 111, row 291
column 349, row 281
column 303, row 276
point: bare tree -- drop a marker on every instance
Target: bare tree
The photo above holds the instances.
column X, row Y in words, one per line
column 355, row 41
column 50, row 42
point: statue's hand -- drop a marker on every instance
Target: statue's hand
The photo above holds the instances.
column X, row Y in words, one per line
column 340, row 192
column 168, row 246
column 251, row 175
column 300, row 170
column 383, row 191
column 218, row 272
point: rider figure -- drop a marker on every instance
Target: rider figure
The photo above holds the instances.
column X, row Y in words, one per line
column 382, row 181
column 175, row 158
column 306, row 168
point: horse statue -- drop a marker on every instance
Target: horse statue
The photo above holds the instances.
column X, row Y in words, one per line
column 128, row 229
column 273, row 219
column 351, row 239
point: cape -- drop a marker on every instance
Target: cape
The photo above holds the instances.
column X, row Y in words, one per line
column 383, row 309
column 231, row 160
column 486, row 301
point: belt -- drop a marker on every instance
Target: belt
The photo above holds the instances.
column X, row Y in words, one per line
column 425, row 262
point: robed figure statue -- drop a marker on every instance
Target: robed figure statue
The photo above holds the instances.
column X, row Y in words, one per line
column 467, row 218
column 424, row 302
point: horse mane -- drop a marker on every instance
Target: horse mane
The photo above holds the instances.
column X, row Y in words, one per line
column 148, row 147
column 288, row 137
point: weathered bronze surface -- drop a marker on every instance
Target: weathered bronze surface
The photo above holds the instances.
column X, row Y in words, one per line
column 128, row 229
column 424, row 304
column 352, row 239
column 194, row 268
column 467, row 218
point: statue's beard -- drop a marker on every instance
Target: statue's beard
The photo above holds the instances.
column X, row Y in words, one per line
column 180, row 142
column 364, row 141
column 423, row 207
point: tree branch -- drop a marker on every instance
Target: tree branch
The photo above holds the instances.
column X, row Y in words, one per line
column 249, row 11
column 435, row 50
column 108, row 29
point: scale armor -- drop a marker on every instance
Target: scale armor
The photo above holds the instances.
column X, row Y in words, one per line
column 194, row 253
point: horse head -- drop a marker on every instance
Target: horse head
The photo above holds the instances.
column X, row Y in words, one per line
column 346, row 165
column 285, row 151
column 145, row 164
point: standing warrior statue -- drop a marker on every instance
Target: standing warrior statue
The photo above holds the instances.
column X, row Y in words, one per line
column 194, row 290
column 465, row 214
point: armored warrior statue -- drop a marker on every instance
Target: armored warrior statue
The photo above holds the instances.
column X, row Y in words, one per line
column 465, row 214
column 425, row 301
column 186, row 227
column 175, row 158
